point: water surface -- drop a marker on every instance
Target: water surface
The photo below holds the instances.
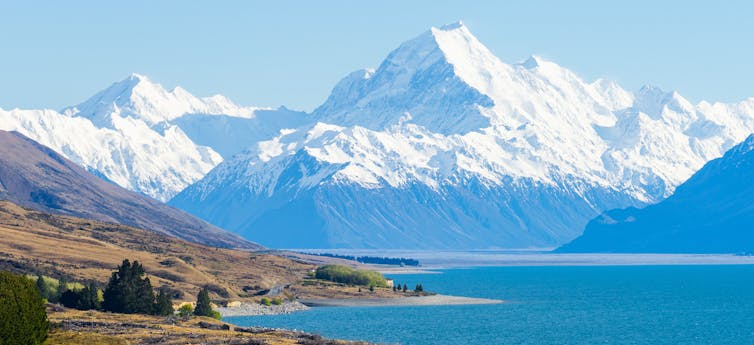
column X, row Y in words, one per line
column 554, row 305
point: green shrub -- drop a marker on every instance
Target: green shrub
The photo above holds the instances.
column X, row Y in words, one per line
column 350, row 276
column 185, row 311
column 265, row 301
column 23, row 318
column 277, row 301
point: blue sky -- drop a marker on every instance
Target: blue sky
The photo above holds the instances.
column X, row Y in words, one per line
column 270, row 53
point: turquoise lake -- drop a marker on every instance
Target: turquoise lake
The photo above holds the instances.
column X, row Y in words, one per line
column 554, row 305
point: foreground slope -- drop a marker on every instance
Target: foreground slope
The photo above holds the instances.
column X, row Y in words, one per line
column 37, row 177
column 712, row 212
column 74, row 327
column 33, row 242
column 445, row 146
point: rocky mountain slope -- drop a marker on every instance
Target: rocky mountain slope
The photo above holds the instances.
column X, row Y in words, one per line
column 712, row 212
column 37, row 177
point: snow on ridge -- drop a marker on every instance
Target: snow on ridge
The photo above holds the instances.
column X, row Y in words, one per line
column 140, row 97
column 147, row 139
column 535, row 120
column 439, row 109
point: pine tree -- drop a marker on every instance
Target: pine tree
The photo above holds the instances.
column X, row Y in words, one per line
column 405, row 288
column 43, row 288
column 62, row 288
column 145, row 299
column 164, row 304
column 88, row 298
column 69, row 299
column 23, row 318
column 203, row 307
column 419, row 288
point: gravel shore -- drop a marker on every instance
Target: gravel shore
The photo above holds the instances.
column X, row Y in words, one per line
column 402, row 301
column 248, row 309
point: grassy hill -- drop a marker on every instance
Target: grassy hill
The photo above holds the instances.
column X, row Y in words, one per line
column 33, row 242
column 74, row 327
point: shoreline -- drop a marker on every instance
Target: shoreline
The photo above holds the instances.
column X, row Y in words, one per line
column 253, row 309
column 434, row 262
column 399, row 301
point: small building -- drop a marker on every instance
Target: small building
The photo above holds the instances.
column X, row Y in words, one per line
column 389, row 282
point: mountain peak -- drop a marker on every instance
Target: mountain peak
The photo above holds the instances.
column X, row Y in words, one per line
column 428, row 77
column 652, row 101
column 137, row 77
column 139, row 97
column 452, row 26
column 533, row 61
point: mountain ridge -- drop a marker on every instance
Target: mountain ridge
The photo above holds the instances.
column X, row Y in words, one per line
column 147, row 139
column 442, row 114
column 37, row 177
column 709, row 213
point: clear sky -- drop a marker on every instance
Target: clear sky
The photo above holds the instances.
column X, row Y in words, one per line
column 58, row 53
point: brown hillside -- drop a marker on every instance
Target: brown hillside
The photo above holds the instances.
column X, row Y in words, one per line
column 80, row 249
column 34, row 176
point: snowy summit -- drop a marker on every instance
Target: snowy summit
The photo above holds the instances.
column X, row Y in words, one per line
column 445, row 146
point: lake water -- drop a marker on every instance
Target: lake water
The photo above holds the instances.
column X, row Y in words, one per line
column 554, row 305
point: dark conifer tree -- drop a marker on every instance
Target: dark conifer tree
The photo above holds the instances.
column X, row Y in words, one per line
column 88, row 298
column 62, row 287
column 43, row 288
column 164, row 304
column 203, row 307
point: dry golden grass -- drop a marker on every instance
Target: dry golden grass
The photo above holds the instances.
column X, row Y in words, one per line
column 92, row 327
column 80, row 338
column 33, row 242
column 85, row 250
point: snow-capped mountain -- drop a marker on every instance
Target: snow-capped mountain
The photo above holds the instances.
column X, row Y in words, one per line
column 132, row 133
column 445, row 146
column 712, row 212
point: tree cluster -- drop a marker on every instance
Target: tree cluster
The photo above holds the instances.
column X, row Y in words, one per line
column 397, row 287
column 82, row 299
column 377, row 260
column 129, row 292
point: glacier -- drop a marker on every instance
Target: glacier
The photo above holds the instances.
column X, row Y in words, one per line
column 444, row 146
